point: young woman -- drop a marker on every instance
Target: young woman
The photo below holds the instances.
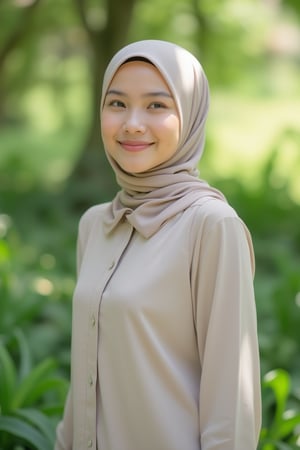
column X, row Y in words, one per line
column 164, row 339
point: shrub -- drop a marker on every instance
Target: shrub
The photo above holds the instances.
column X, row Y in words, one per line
column 31, row 397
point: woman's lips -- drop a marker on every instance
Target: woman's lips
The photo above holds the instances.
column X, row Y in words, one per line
column 135, row 146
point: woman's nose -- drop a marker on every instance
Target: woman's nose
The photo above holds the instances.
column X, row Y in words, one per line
column 134, row 122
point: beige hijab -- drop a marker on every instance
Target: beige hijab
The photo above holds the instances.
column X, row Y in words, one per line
column 147, row 200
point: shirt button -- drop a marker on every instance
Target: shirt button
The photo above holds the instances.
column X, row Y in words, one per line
column 111, row 266
column 91, row 382
column 93, row 320
column 90, row 443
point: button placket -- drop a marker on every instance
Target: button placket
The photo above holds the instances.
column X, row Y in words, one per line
column 95, row 305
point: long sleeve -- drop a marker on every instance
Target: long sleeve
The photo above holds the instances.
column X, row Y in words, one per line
column 230, row 398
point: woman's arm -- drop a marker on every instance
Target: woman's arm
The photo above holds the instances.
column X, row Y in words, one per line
column 230, row 396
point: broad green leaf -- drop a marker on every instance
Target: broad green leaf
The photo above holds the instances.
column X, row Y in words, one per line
column 25, row 431
column 39, row 421
column 46, row 385
column 288, row 425
column 7, row 379
column 28, row 385
column 279, row 381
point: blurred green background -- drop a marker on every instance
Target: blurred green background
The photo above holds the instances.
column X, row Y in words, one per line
column 52, row 167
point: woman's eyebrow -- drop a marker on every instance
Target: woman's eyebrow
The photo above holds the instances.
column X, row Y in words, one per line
column 115, row 92
column 157, row 94
column 147, row 94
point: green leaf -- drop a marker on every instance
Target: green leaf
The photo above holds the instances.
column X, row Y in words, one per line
column 25, row 355
column 49, row 384
column 279, row 381
column 5, row 253
column 267, row 446
column 56, row 409
column 28, row 385
column 18, row 428
column 288, row 425
column 7, row 379
column 39, row 421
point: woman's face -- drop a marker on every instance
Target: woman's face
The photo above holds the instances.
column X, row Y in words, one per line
column 139, row 121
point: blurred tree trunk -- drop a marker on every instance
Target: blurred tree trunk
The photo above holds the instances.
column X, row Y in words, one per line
column 92, row 180
column 21, row 30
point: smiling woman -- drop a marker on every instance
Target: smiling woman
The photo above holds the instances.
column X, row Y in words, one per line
column 140, row 123
column 164, row 339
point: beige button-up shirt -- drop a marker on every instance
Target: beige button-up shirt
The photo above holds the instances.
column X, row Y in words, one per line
column 164, row 338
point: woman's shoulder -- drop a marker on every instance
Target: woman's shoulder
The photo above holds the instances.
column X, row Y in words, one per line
column 215, row 221
column 212, row 211
column 93, row 214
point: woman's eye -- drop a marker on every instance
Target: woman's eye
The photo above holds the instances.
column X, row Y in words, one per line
column 157, row 105
column 116, row 104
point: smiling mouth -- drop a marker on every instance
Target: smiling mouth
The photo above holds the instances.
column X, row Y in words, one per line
column 135, row 146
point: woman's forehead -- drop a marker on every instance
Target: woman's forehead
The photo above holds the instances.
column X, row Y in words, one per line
column 140, row 72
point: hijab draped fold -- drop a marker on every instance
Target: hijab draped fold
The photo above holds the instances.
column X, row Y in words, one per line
column 148, row 199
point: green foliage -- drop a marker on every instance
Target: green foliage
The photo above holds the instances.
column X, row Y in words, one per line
column 31, row 282
column 273, row 218
column 281, row 428
column 30, row 396
column 293, row 5
column 21, row 431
